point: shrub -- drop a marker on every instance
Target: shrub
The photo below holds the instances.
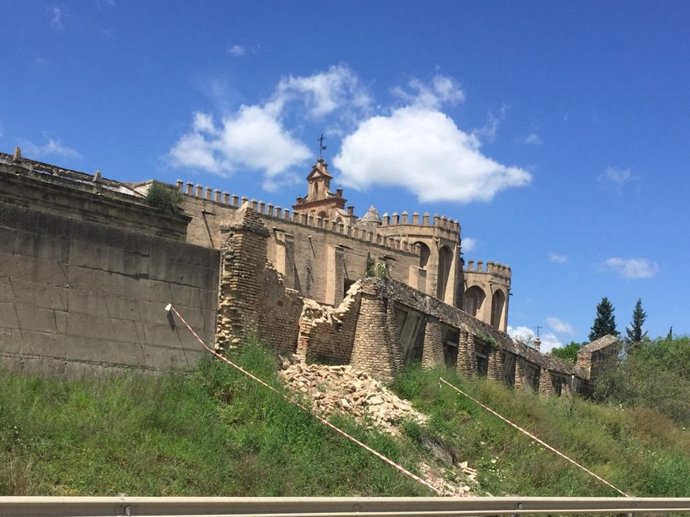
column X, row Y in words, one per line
column 164, row 198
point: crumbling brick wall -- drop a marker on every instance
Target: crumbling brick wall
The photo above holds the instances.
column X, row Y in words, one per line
column 327, row 334
column 254, row 302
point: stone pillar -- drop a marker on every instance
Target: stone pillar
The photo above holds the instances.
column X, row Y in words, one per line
column 495, row 371
column 244, row 238
column 520, row 381
column 374, row 348
column 432, row 351
column 467, row 360
column 546, row 383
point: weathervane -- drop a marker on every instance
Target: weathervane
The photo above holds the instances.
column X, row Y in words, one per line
column 321, row 146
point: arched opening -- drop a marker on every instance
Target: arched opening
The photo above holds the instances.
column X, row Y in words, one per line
column 323, row 214
column 424, row 254
column 473, row 300
column 498, row 301
column 445, row 259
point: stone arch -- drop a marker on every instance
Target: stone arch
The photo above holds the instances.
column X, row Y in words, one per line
column 323, row 214
column 473, row 300
column 424, row 254
column 498, row 303
column 445, row 260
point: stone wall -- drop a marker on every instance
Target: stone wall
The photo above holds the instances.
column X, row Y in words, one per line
column 254, row 302
column 394, row 323
column 78, row 296
column 315, row 257
column 327, row 334
column 84, row 197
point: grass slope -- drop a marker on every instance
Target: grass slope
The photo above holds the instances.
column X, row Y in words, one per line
column 215, row 432
column 211, row 432
column 639, row 450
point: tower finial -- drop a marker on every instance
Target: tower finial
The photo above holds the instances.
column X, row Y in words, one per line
column 321, row 146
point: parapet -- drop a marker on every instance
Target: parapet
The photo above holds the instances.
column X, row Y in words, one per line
column 234, row 201
column 437, row 221
column 491, row 268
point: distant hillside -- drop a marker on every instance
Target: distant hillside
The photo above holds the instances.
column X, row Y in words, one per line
column 215, row 432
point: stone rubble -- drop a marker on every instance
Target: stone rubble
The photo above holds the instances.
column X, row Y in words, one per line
column 342, row 388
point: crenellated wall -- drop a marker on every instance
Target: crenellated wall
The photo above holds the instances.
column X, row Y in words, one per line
column 487, row 292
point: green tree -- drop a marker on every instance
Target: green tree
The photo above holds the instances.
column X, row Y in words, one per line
column 164, row 198
column 634, row 332
column 567, row 352
column 605, row 321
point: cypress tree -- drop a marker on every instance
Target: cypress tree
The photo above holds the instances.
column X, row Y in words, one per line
column 634, row 332
column 605, row 321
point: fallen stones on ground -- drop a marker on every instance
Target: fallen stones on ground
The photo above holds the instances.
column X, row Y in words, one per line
column 334, row 388
column 341, row 388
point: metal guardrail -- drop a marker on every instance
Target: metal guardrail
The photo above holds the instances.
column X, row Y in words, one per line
column 332, row 506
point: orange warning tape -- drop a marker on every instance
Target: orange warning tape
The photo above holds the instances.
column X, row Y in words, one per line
column 542, row 442
column 400, row 468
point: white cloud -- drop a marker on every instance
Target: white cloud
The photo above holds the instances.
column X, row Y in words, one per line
column 522, row 334
column 55, row 18
column 50, row 148
column 415, row 146
column 325, row 92
column 255, row 136
column 527, row 336
column 252, row 138
column 558, row 258
column 423, row 150
column 533, row 139
column 487, row 133
column 441, row 90
column 633, row 267
column 469, row 244
column 618, row 177
column 560, row 326
column 237, row 50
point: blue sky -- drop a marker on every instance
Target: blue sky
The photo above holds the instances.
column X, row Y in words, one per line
column 557, row 133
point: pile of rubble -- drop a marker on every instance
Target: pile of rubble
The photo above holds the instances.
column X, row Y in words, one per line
column 340, row 388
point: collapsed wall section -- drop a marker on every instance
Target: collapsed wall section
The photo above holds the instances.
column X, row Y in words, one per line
column 79, row 296
column 254, row 302
column 395, row 324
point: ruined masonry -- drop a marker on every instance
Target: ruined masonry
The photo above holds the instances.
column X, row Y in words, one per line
column 96, row 264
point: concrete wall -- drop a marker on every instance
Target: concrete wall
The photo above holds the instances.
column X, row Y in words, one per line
column 78, row 296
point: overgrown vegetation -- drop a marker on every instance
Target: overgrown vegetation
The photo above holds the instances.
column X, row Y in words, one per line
column 638, row 450
column 214, row 432
column 654, row 374
column 164, row 198
column 567, row 352
column 210, row 432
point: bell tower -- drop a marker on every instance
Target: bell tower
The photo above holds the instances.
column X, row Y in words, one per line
column 320, row 201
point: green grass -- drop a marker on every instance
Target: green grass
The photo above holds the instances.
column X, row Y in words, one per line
column 209, row 432
column 640, row 451
column 214, row 432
